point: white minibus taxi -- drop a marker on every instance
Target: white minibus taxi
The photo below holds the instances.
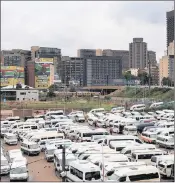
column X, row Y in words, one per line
column 5, row 167
column 111, row 138
column 58, row 160
column 130, row 148
column 156, row 105
column 13, row 118
column 135, row 174
column 30, row 148
column 110, row 167
column 85, row 135
column 55, row 113
column 145, row 155
column 42, row 138
column 156, row 159
column 19, row 171
column 119, row 145
column 49, row 152
column 81, row 171
column 166, row 168
column 130, row 130
column 10, row 138
column 12, row 154
column 138, row 107
column 165, row 141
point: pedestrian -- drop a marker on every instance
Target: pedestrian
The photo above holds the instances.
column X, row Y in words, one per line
column 111, row 130
column 95, row 123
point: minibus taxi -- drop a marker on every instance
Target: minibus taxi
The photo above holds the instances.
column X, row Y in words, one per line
column 12, row 154
column 156, row 159
column 57, row 158
column 30, row 148
column 165, row 141
column 135, row 174
column 166, row 168
column 156, row 105
column 85, row 135
column 19, row 171
column 145, row 155
column 13, row 118
column 95, row 138
column 55, row 113
column 130, row 130
column 111, row 138
column 110, row 167
column 16, row 126
column 98, row 110
column 5, row 167
column 82, row 170
column 150, row 136
column 119, row 145
column 3, row 131
column 42, row 138
column 10, row 138
column 49, row 152
column 130, row 148
column 138, row 107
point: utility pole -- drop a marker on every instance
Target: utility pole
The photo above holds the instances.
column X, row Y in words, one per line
column 149, row 70
column 63, row 163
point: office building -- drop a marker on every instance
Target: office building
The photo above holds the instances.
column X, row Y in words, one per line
column 102, row 70
column 124, row 54
column 154, row 75
column 152, row 58
column 72, row 70
column 86, row 53
column 171, row 61
column 170, row 26
column 171, row 67
column 15, row 57
column 163, row 68
column 47, row 55
column 138, row 53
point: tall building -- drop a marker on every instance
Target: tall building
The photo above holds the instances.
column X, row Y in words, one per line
column 170, row 26
column 86, row 53
column 46, row 53
column 102, row 70
column 15, row 57
column 163, row 68
column 99, row 52
column 72, row 69
column 124, row 54
column 138, row 53
column 171, row 61
column 152, row 58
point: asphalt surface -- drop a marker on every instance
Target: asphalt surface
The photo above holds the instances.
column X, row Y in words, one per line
column 41, row 170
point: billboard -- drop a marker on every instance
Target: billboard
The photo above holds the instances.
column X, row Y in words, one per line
column 42, row 75
column 44, row 60
column 11, row 75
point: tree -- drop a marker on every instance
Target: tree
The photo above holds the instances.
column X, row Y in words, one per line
column 167, row 81
column 128, row 76
column 144, row 78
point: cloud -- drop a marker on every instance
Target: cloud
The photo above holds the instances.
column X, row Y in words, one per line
column 74, row 25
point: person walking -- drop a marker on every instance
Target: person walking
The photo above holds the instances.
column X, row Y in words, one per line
column 95, row 123
column 111, row 130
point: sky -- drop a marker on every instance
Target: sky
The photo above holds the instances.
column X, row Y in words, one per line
column 85, row 24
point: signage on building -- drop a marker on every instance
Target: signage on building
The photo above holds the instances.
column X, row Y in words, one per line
column 44, row 60
column 11, row 75
column 42, row 75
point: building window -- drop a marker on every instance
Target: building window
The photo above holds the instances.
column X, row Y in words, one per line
column 22, row 93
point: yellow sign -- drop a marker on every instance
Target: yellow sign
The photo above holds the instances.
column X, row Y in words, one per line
column 44, row 60
column 11, row 81
column 11, row 75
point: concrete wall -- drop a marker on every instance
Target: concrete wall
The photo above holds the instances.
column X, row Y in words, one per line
column 22, row 112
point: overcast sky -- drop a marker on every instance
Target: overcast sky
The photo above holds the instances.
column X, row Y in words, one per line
column 74, row 25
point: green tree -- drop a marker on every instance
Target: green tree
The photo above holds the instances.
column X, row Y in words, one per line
column 144, row 78
column 167, row 81
column 128, row 76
